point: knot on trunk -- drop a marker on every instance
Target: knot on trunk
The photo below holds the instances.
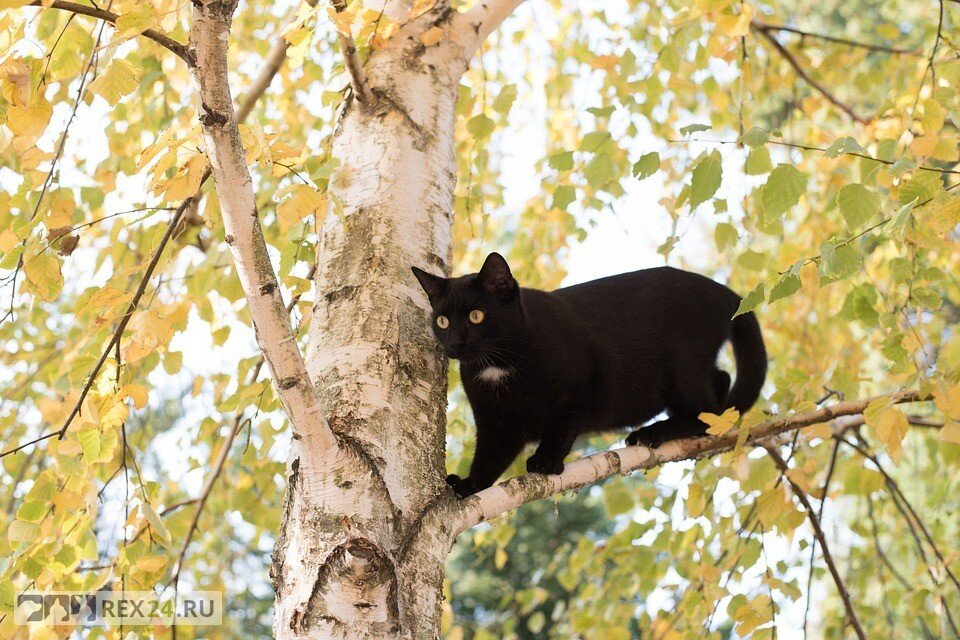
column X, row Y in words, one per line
column 210, row 118
column 356, row 586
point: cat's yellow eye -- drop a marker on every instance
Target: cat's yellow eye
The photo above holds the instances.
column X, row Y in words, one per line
column 476, row 316
column 442, row 322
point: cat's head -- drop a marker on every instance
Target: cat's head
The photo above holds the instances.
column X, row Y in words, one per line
column 474, row 316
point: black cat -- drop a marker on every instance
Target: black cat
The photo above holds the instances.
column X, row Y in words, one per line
column 547, row 367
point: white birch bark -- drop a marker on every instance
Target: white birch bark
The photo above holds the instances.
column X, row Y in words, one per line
column 356, row 558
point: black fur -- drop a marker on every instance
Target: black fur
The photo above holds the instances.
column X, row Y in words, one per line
column 603, row 355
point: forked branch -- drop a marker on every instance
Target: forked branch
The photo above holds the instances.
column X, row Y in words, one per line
column 476, row 24
column 767, row 34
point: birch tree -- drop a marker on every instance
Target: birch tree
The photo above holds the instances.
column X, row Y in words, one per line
column 276, row 176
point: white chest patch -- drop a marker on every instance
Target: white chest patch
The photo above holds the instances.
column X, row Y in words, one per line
column 493, row 375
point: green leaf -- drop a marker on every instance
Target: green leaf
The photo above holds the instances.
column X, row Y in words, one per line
column 921, row 187
column 752, row 260
column 756, row 137
column 751, row 301
column 901, row 166
column 858, row 204
column 837, row 261
column 758, row 162
column 32, row 511
column 898, row 225
column 725, row 235
column 593, row 141
column 788, row 284
column 617, row 498
column 505, row 99
column 694, row 128
column 599, row 171
column 706, row 179
column 90, row 443
column 844, row 145
column 481, row 126
column 561, row 161
column 563, row 196
column 783, row 189
column 647, row 165
column 602, row 112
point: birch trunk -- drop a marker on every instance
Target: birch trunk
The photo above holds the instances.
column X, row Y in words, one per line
column 356, row 558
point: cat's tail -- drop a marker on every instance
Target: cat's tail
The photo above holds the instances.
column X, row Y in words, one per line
column 751, row 357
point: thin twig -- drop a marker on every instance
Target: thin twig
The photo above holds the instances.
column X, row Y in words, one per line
column 793, row 62
column 808, row 147
column 818, row 533
column 763, row 26
column 813, row 547
column 177, row 48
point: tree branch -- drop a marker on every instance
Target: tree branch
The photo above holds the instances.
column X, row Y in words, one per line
column 793, row 62
column 351, row 60
column 476, row 24
column 209, row 38
column 271, row 66
column 518, row 491
column 177, row 48
column 818, row 534
column 761, row 26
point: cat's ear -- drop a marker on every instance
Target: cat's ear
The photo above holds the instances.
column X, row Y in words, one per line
column 495, row 276
column 434, row 286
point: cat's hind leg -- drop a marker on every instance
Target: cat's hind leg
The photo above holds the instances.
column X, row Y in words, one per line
column 700, row 393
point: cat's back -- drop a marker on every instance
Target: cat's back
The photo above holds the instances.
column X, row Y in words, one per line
column 660, row 292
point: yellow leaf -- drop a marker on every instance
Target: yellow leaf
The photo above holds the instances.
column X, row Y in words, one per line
column 947, row 399
column 891, row 427
column 342, row 20
column 30, row 120
column 43, row 275
column 186, row 182
column 8, row 240
column 137, row 393
column 137, row 20
column 736, row 25
column 720, row 424
column 431, row 36
column 303, row 201
column 117, row 80
column 152, row 564
column 950, row 433
column 62, row 208
column 500, row 558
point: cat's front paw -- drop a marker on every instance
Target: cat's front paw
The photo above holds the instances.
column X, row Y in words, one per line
column 463, row 487
column 538, row 463
column 649, row 437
